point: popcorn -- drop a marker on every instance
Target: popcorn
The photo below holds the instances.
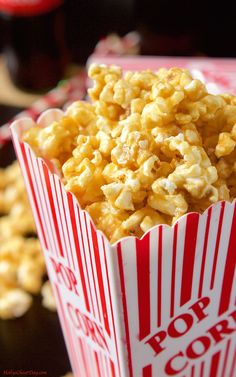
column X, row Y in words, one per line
column 21, row 261
column 14, row 303
column 48, row 300
column 150, row 147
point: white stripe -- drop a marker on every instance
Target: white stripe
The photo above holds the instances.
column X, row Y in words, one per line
column 198, row 257
column 103, row 363
column 153, row 280
column 82, row 254
column 27, row 184
column 167, row 260
column 179, row 264
column 47, row 227
column 57, row 200
column 210, row 252
column 99, row 308
column 36, row 191
column 106, row 250
column 232, row 349
column 139, row 357
column 89, row 266
column 62, row 220
column 223, row 247
column 78, row 358
column 50, row 231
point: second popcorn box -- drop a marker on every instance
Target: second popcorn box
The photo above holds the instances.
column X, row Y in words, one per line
column 139, row 241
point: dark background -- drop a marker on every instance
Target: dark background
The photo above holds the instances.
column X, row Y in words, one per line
column 167, row 27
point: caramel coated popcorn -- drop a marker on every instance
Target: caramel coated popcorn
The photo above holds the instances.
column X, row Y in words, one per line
column 148, row 148
column 21, row 260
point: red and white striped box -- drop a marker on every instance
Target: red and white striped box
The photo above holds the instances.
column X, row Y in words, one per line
column 164, row 305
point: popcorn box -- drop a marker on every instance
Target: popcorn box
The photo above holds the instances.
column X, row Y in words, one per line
column 164, row 305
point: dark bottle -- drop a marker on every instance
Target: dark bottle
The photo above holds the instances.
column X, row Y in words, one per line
column 34, row 44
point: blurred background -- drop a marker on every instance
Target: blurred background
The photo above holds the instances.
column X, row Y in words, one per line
column 166, row 27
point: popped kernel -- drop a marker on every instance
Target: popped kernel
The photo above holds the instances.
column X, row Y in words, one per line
column 48, row 300
column 150, row 147
column 22, row 266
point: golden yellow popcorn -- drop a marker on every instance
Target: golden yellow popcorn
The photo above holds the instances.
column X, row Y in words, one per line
column 148, row 148
column 48, row 300
column 22, row 264
column 14, row 303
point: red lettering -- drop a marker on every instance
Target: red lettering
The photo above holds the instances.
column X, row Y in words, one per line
column 191, row 351
column 65, row 276
column 219, row 329
column 72, row 316
column 186, row 319
column 73, row 281
column 169, row 368
column 199, row 306
column 83, row 322
column 55, row 266
column 233, row 315
column 155, row 342
column 87, row 326
column 100, row 337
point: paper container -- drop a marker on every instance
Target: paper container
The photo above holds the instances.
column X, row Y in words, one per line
column 160, row 306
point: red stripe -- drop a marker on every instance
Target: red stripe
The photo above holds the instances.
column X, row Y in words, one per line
column 100, row 278
column 229, row 269
column 91, row 263
column 26, row 166
column 67, row 227
column 59, row 214
column 67, row 334
column 143, row 277
column 203, row 264
column 147, row 371
column 82, row 353
column 189, row 257
column 113, row 373
column 226, row 358
column 97, row 364
column 51, row 241
column 52, row 206
column 32, row 113
column 122, row 283
column 112, row 314
column 38, row 193
column 84, row 253
column 217, row 245
column 202, row 369
column 78, row 251
column 192, row 371
column 159, row 278
column 232, row 374
column 214, row 364
column 172, row 298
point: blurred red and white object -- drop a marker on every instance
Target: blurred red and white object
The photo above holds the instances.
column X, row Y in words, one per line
column 72, row 90
column 218, row 74
column 113, row 45
column 217, row 71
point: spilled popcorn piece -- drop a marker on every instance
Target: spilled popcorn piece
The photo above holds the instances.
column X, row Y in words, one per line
column 22, row 265
column 48, row 300
column 14, row 303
